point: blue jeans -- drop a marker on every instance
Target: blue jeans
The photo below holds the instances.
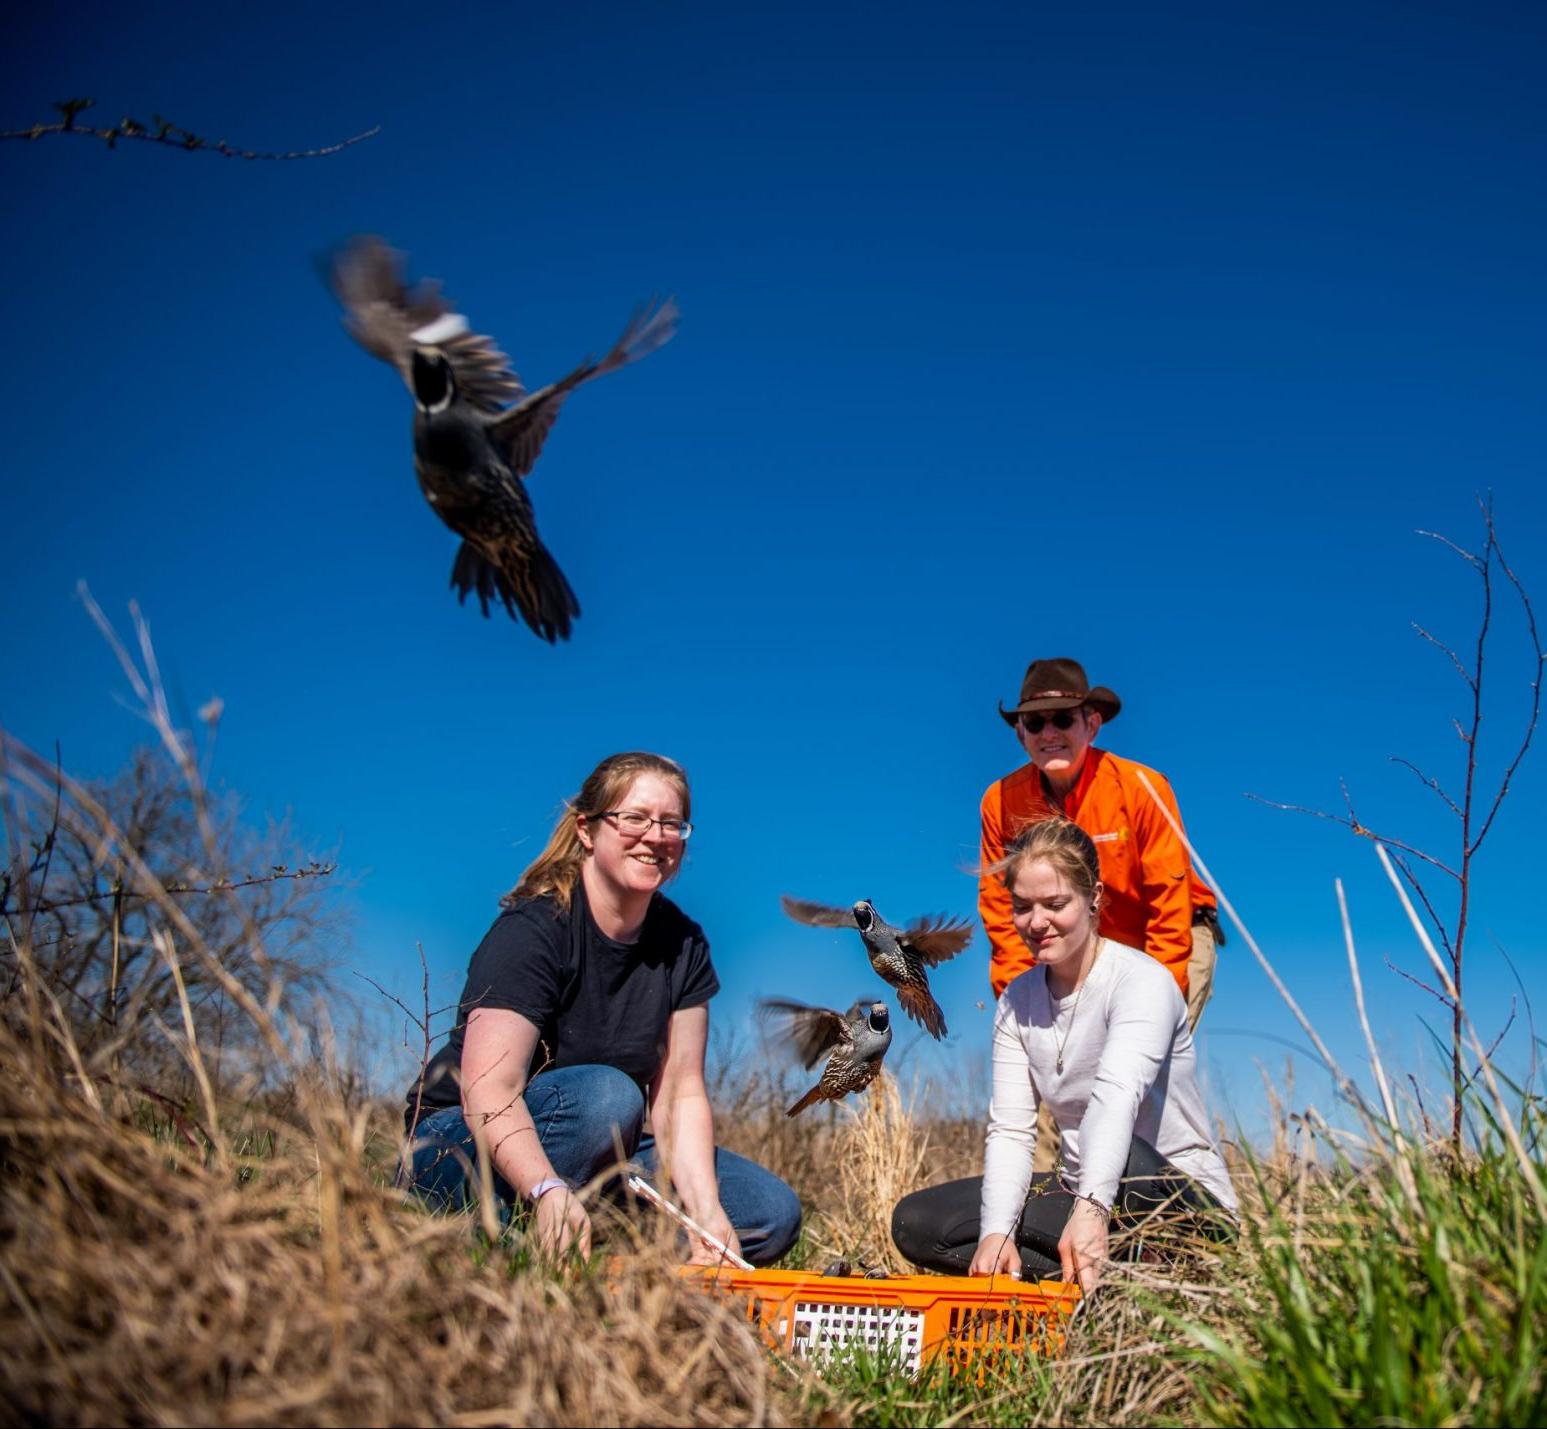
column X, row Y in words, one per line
column 584, row 1117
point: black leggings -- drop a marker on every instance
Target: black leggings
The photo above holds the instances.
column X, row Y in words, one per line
column 938, row 1228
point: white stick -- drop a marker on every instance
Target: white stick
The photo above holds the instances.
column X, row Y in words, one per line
column 1322, row 1051
column 640, row 1187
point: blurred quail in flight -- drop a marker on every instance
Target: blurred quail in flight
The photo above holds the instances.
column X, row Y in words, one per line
column 855, row 1043
column 477, row 431
column 899, row 955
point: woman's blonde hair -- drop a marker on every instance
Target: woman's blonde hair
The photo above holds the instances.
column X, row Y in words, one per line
column 557, row 867
column 1060, row 842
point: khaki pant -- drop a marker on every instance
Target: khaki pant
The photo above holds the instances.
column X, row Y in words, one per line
column 1200, row 972
column 1200, row 987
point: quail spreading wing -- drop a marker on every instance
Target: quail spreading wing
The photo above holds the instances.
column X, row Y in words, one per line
column 899, row 955
column 477, row 431
column 854, row 1042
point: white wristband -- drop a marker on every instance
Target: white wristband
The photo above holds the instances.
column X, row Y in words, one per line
column 541, row 1189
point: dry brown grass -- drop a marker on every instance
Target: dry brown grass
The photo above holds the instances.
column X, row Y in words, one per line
column 236, row 1254
column 223, row 1252
column 266, row 1275
column 246, row 1263
column 851, row 1162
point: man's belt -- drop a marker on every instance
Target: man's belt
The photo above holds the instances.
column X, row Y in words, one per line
column 1209, row 918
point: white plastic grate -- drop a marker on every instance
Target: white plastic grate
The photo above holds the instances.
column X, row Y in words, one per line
column 832, row 1332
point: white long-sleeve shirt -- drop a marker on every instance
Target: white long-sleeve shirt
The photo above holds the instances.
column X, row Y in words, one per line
column 1129, row 1069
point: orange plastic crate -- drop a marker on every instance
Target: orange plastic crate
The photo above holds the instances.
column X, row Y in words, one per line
column 966, row 1320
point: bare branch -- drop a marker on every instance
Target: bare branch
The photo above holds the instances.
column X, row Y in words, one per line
column 1494, row 1045
column 137, row 835
column 1302, row 809
column 219, row 885
column 1461, row 551
column 163, row 131
column 1433, row 992
column 1356, row 827
column 1536, row 686
column 421, row 1022
column 1455, row 659
column 1423, row 897
column 1428, row 780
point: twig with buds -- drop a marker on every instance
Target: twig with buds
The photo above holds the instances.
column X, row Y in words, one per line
column 163, row 131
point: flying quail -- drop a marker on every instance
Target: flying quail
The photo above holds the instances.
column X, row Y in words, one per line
column 855, row 1043
column 477, row 431
column 899, row 955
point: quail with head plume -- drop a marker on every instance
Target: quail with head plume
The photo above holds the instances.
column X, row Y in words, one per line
column 899, row 955
column 477, row 431
column 854, row 1043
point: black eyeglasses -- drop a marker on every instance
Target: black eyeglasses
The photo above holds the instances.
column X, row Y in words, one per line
column 634, row 825
column 1033, row 723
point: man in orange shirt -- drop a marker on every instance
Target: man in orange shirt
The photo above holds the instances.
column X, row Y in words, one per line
column 1152, row 900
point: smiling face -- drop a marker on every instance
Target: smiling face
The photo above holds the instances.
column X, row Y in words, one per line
column 623, row 869
column 1052, row 916
column 1059, row 753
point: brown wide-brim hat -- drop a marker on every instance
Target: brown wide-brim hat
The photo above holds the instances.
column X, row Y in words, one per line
column 1061, row 685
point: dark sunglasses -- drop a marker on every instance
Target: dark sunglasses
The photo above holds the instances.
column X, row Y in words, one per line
column 1033, row 723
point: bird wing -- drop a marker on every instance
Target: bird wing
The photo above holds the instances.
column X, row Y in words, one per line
column 818, row 915
column 383, row 314
column 810, row 1032
column 519, row 434
column 937, row 938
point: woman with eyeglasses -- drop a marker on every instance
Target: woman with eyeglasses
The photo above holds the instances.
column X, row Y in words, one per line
column 585, row 1010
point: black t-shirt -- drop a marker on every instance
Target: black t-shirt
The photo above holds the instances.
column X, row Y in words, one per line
column 593, row 1000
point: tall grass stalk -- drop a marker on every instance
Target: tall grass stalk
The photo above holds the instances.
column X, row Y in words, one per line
column 1358, row 1304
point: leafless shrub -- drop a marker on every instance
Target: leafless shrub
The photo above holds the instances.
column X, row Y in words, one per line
column 89, row 917
column 1441, row 878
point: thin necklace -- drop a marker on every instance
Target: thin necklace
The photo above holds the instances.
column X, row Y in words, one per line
column 1058, row 1063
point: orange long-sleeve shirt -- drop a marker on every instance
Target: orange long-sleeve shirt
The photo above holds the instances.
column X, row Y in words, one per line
column 1151, row 888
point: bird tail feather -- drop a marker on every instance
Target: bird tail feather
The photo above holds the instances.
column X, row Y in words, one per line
column 923, row 1009
column 814, row 1095
column 540, row 596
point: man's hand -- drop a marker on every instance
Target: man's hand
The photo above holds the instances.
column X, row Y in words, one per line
column 996, row 1255
column 718, row 1224
column 562, row 1223
column 1082, row 1248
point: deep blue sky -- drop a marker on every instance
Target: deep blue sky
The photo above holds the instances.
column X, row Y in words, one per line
column 1143, row 334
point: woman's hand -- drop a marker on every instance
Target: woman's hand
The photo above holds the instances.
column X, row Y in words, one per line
column 996, row 1255
column 718, row 1224
column 1082, row 1248
column 562, row 1223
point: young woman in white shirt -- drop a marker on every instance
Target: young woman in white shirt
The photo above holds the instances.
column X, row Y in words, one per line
column 1098, row 1031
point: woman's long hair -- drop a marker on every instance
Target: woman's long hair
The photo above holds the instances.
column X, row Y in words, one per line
column 557, row 867
column 1060, row 842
